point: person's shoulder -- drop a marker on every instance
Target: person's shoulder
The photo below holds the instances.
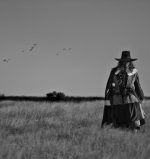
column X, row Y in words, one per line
column 114, row 69
column 112, row 72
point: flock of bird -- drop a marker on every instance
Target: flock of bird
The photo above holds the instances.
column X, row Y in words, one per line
column 30, row 49
column 63, row 50
column 6, row 60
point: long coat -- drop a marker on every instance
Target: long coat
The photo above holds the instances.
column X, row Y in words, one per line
column 122, row 107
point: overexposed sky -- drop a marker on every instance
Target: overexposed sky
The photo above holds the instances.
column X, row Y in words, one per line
column 76, row 43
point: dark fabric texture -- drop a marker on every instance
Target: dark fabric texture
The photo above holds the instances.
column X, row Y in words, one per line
column 107, row 116
column 133, row 86
column 121, row 115
column 125, row 94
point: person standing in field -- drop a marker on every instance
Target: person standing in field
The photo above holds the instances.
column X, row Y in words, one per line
column 124, row 96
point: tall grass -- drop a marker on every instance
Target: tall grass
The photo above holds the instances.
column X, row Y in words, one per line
column 40, row 130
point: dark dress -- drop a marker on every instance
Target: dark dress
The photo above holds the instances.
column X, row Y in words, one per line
column 123, row 97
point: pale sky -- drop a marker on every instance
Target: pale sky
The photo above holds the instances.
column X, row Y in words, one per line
column 77, row 41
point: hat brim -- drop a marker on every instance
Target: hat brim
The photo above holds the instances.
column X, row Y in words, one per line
column 125, row 59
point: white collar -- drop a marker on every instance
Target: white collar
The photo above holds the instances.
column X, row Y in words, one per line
column 129, row 73
column 133, row 72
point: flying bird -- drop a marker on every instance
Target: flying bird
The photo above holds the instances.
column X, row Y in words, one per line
column 6, row 59
column 22, row 51
column 67, row 49
column 64, row 49
column 32, row 47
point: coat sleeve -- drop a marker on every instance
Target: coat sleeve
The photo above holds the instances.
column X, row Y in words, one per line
column 138, row 88
column 108, row 89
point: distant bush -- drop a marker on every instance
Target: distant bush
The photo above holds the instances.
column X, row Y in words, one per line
column 60, row 95
column 56, row 95
column 52, row 94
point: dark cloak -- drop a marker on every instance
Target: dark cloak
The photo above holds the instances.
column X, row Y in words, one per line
column 126, row 113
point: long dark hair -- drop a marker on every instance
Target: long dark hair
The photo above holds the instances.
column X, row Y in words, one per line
column 122, row 64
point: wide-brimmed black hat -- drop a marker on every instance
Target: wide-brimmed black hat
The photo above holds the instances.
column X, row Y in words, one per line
column 126, row 57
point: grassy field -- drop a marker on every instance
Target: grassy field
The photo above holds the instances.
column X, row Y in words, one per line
column 40, row 130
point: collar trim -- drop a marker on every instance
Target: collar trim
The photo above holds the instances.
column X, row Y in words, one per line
column 129, row 73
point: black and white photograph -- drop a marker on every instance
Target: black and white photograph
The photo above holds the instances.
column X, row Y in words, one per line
column 74, row 79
